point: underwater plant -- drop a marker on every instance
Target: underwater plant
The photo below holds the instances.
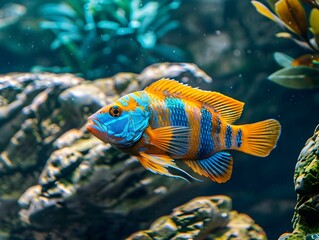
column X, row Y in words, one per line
column 97, row 38
column 302, row 27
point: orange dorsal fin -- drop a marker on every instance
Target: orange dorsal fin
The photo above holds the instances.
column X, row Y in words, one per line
column 230, row 109
column 218, row 167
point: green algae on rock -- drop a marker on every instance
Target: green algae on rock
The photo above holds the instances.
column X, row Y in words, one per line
column 203, row 218
column 306, row 216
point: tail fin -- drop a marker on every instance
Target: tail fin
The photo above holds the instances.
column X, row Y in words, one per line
column 260, row 138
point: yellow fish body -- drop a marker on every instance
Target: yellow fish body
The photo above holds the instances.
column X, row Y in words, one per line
column 170, row 120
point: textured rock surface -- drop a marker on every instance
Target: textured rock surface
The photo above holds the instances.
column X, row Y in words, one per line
column 59, row 181
column 203, row 218
column 306, row 215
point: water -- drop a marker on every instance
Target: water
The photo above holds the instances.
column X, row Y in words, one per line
column 87, row 190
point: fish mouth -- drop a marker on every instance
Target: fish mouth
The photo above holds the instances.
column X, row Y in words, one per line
column 98, row 129
column 93, row 125
column 90, row 121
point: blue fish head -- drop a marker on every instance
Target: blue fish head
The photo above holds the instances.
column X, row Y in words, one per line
column 123, row 122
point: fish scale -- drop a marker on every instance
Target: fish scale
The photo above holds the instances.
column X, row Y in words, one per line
column 177, row 112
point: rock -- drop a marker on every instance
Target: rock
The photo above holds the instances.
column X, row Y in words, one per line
column 203, row 218
column 165, row 227
column 30, row 120
column 184, row 72
column 77, row 101
column 306, row 216
column 62, row 177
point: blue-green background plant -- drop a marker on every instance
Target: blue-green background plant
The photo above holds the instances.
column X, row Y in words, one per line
column 96, row 38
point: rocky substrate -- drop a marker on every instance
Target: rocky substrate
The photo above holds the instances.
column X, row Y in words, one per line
column 58, row 181
column 306, row 216
column 203, row 218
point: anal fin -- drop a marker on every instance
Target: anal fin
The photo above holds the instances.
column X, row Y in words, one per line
column 160, row 163
column 218, row 167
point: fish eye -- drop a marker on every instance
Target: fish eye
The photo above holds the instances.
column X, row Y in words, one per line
column 115, row 111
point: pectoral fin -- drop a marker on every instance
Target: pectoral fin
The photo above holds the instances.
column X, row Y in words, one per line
column 217, row 167
column 171, row 139
column 160, row 164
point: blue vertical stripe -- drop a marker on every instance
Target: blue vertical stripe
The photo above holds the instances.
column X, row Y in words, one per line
column 177, row 112
column 219, row 126
column 206, row 128
column 239, row 138
column 228, row 136
column 178, row 117
column 218, row 130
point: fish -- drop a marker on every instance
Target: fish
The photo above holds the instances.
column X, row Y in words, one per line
column 170, row 121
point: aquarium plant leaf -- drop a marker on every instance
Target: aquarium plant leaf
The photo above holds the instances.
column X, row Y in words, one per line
column 284, row 35
column 167, row 28
column 314, row 21
column 314, row 24
column 300, row 77
column 110, row 25
column 54, row 10
column 147, row 40
column 174, row 4
column 62, row 26
column 263, row 10
column 298, row 42
column 306, row 60
column 143, row 12
column 124, row 31
column 283, row 59
column 113, row 12
column 293, row 15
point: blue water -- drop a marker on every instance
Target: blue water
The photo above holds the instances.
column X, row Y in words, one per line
column 229, row 40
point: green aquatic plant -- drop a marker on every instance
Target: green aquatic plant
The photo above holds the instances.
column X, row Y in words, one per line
column 97, row 38
column 302, row 27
